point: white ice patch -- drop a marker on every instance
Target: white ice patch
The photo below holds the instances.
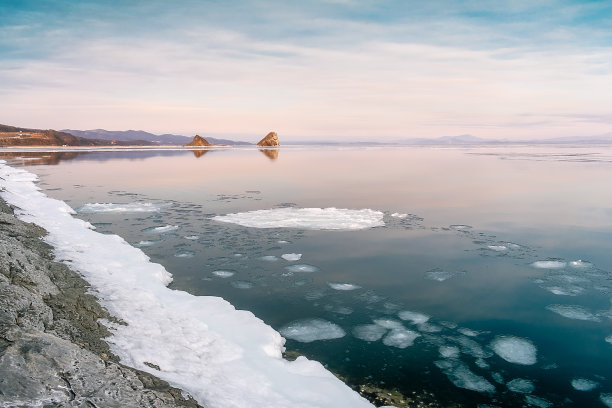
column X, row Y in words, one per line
column 521, row 385
column 460, row 227
column 306, row 218
column 460, row 375
column 537, row 401
column 309, row 330
column 369, row 332
column 449, row 351
column 580, row 264
column 291, row 257
column 121, row 208
column 269, row 258
column 242, row 284
column 145, row 243
column 609, row 339
column 399, row 215
column 192, row 237
column 515, row 350
column 606, row 399
column 343, row 286
column 569, row 290
column 301, row 268
column 221, row 356
column 468, row 332
column 224, row 274
column 413, row 317
column 573, row 312
column 400, row 338
column 549, row 264
column 389, row 324
column 439, row 275
column 185, row 254
column 162, row 229
column 583, row 384
column 498, row 248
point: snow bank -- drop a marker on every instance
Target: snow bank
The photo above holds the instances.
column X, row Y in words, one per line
column 221, row 356
column 306, row 218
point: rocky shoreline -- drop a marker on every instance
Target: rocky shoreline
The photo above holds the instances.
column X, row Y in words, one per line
column 52, row 349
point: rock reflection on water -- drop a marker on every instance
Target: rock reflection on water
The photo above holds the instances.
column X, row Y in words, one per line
column 199, row 153
column 271, row 154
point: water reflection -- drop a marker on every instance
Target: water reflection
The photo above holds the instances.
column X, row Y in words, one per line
column 271, row 154
column 199, row 153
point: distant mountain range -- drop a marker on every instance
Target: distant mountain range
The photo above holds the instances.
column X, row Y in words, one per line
column 136, row 135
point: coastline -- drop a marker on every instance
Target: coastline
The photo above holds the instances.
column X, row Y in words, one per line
column 52, row 348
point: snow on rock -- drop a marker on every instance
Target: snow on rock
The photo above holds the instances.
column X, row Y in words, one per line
column 223, row 357
column 515, row 350
column 309, row 330
column 306, row 218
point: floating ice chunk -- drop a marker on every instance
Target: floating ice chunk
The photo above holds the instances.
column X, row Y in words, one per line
column 580, row 264
column 471, row 347
column 609, row 339
column 400, row 338
column 552, row 264
column 309, row 330
column 343, row 286
column 399, row 215
column 121, row 208
column 606, row 399
column 389, row 324
column 573, row 312
column 460, row 227
column 537, row 401
column 565, row 290
column 515, row 350
column 482, row 363
column 242, row 284
column 282, row 241
column 583, row 384
column 521, row 386
column 301, row 268
column 291, row 257
column 224, row 274
column 439, row 275
column 306, row 218
column 449, row 351
column 185, row 254
column 163, row 229
column 145, row 243
column 413, row 317
column 468, row 332
column 343, row 310
column 512, row 245
column 269, row 258
column 498, row 378
column 461, row 376
column 369, row 332
column 429, row 328
column 498, row 248
column 192, row 237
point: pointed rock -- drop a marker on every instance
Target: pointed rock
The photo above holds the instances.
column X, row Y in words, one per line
column 198, row 141
column 271, row 139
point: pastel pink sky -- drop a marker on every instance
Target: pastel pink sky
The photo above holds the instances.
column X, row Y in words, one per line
column 348, row 72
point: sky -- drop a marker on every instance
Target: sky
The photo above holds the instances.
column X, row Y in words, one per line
column 344, row 70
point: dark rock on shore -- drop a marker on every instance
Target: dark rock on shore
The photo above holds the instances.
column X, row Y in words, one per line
column 51, row 347
column 199, row 141
column 271, row 139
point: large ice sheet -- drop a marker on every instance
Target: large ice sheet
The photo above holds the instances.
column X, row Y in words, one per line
column 222, row 356
column 121, row 208
column 584, row 384
column 515, row 350
column 306, row 218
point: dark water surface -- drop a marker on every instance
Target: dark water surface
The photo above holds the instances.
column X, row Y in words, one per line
column 507, row 246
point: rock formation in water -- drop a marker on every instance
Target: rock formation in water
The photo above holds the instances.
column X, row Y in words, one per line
column 199, row 141
column 271, row 139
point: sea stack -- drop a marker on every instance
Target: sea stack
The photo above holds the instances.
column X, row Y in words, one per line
column 271, row 139
column 198, row 141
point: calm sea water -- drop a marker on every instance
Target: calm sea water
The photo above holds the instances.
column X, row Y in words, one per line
column 506, row 250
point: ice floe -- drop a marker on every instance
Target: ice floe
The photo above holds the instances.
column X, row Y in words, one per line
column 185, row 254
column 400, row 338
column 413, row 317
column 399, row 215
column 609, row 339
column 306, row 218
column 460, row 375
column 606, row 399
column 224, row 274
column 291, row 257
column 521, row 385
column 449, row 351
column 439, row 275
column 309, row 330
column 121, row 208
column 162, row 229
column 565, row 290
column 145, row 243
column 389, row 324
column 575, row 312
column 537, row 401
column 583, row 384
column 301, row 268
column 343, row 286
column 515, row 350
column 580, row 264
column 460, row 227
column 221, row 356
column 551, row 264
column 192, row 237
column 242, row 284
column 497, row 248
column 269, row 258
column 369, row 332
